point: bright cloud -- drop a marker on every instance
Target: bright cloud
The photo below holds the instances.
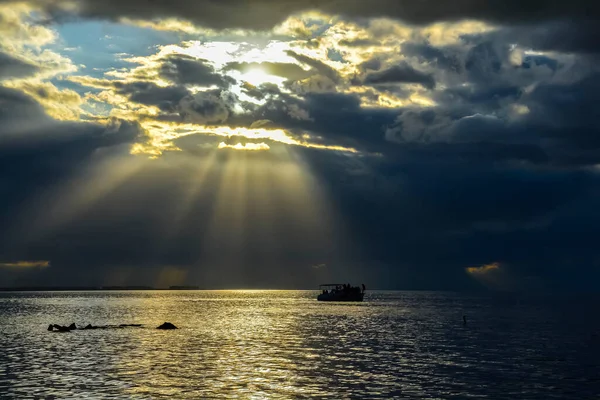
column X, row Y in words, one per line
column 25, row 264
column 483, row 269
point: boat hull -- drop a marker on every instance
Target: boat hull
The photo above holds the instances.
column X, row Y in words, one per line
column 340, row 297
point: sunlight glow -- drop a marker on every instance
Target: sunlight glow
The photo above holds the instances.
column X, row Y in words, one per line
column 162, row 135
column 421, row 100
column 257, row 199
column 26, row 264
column 199, row 173
column 243, row 59
column 277, row 135
column 257, row 77
column 96, row 180
column 484, row 269
column 246, row 146
column 221, row 53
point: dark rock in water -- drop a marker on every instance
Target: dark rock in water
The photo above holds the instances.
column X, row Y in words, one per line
column 60, row 328
column 167, row 325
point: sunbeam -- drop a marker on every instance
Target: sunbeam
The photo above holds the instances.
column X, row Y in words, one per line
column 65, row 202
column 267, row 210
column 200, row 169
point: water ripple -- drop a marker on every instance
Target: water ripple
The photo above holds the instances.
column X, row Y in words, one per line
column 283, row 344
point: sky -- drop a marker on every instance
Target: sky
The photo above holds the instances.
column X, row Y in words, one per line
column 437, row 145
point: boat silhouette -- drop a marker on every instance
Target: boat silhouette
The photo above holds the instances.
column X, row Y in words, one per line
column 340, row 292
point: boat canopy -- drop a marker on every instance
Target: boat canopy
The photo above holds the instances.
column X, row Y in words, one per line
column 331, row 284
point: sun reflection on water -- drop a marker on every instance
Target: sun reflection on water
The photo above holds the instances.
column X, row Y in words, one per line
column 285, row 344
column 242, row 345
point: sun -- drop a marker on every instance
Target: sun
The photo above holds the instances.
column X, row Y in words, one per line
column 257, row 77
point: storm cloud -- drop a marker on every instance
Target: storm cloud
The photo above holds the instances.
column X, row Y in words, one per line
column 188, row 70
column 394, row 151
column 11, row 67
column 403, row 73
column 262, row 14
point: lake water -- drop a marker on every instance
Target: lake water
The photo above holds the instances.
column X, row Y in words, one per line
column 285, row 344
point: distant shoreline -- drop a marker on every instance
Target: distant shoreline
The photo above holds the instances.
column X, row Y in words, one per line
column 90, row 288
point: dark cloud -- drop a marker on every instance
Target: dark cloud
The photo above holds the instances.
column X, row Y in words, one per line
column 25, row 126
column 488, row 110
column 427, row 199
column 395, row 212
column 317, row 65
column 484, row 61
column 502, row 167
column 37, row 152
column 566, row 105
column 183, row 70
column 261, row 14
column 490, row 97
column 474, row 202
column 314, row 84
column 208, row 107
column 402, row 73
column 166, row 98
column 334, row 118
column 476, row 122
column 266, row 89
column 358, row 42
column 18, row 108
column 177, row 102
column 529, row 61
column 565, row 35
column 374, row 64
column 442, row 58
column 11, row 67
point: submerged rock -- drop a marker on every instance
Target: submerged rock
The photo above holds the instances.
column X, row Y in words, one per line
column 60, row 328
column 167, row 325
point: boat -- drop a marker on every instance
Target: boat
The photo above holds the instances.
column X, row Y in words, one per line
column 340, row 292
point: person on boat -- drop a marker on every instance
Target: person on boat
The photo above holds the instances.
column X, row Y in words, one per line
column 363, row 287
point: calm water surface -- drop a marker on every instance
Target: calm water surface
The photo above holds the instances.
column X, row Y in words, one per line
column 284, row 344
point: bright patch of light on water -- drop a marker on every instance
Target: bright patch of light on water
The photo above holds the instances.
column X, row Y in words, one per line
column 284, row 344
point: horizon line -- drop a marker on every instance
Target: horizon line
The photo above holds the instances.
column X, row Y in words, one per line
column 177, row 287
